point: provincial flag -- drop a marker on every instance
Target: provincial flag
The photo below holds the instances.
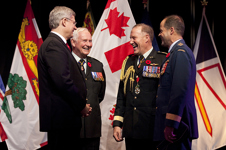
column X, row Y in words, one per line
column 210, row 91
column 111, row 46
column 89, row 21
column 20, row 109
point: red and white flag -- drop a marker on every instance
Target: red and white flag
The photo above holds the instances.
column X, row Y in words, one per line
column 210, row 91
column 111, row 46
column 19, row 115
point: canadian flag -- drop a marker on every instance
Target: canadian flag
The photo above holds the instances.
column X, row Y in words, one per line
column 111, row 46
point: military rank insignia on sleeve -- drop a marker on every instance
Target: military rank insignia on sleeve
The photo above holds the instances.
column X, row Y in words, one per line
column 97, row 76
column 151, row 71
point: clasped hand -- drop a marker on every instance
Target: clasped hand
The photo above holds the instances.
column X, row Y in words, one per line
column 86, row 111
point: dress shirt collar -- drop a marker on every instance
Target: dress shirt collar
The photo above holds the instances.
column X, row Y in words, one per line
column 78, row 58
column 147, row 53
column 65, row 41
column 171, row 46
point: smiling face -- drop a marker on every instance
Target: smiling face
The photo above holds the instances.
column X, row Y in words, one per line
column 165, row 35
column 138, row 40
column 82, row 44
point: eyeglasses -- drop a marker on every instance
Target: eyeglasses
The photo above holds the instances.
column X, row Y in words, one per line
column 71, row 21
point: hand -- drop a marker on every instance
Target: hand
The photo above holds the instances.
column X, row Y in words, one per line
column 86, row 111
column 169, row 136
column 117, row 134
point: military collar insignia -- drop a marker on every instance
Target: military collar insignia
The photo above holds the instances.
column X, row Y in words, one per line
column 180, row 44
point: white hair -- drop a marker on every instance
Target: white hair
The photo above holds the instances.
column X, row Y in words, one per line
column 58, row 13
column 75, row 33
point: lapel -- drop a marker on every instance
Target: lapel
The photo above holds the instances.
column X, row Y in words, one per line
column 135, row 64
column 88, row 66
column 67, row 50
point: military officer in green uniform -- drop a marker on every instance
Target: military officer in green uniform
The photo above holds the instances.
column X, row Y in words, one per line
column 136, row 101
column 95, row 83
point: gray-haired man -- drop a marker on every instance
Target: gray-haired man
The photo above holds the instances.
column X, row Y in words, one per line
column 62, row 99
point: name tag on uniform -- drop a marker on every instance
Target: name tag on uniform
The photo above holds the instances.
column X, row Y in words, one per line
column 151, row 71
column 97, row 76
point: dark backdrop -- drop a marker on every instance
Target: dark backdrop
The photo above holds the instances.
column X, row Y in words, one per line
column 191, row 10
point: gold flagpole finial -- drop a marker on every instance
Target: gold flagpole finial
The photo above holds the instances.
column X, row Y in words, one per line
column 204, row 3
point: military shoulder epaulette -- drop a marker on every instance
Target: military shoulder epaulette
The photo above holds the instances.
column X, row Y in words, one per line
column 181, row 50
column 159, row 52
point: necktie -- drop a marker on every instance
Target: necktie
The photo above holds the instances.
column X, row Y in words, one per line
column 82, row 62
column 141, row 60
column 68, row 47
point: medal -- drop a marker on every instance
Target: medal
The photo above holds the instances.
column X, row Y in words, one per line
column 137, row 87
column 164, row 67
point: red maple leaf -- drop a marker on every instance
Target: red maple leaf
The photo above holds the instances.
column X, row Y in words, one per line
column 116, row 22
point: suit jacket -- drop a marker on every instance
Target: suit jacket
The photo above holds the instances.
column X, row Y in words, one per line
column 61, row 84
column 91, row 126
column 176, row 92
column 135, row 113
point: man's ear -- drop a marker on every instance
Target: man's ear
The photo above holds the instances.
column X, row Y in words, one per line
column 63, row 22
column 172, row 30
column 73, row 42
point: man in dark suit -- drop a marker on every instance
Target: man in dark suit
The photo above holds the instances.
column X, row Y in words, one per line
column 62, row 86
column 95, row 83
column 175, row 97
column 135, row 108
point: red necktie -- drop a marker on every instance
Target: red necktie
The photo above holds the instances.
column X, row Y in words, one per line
column 68, row 46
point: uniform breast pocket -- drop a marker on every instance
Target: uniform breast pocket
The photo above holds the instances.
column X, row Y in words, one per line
column 96, row 86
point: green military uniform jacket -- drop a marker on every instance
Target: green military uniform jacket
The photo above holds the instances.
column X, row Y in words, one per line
column 135, row 113
column 95, row 83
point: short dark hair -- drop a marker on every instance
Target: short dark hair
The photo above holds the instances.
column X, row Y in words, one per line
column 177, row 22
column 147, row 29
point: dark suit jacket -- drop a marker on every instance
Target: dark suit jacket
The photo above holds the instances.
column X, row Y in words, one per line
column 176, row 92
column 61, row 84
column 91, row 126
column 135, row 113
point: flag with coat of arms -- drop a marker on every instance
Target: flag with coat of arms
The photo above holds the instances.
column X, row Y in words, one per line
column 210, row 91
column 111, row 46
column 19, row 114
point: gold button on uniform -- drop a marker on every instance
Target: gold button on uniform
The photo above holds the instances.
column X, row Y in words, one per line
column 135, row 97
column 135, row 108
